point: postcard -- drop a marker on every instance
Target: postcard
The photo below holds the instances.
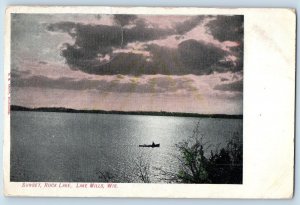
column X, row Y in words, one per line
column 149, row 102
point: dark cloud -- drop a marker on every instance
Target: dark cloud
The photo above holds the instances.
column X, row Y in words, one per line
column 142, row 33
column 230, row 28
column 64, row 26
column 92, row 51
column 191, row 57
column 227, row 28
column 99, row 37
column 90, row 40
column 122, row 63
column 153, row 85
column 165, row 61
column 199, row 56
column 236, row 86
column 94, row 41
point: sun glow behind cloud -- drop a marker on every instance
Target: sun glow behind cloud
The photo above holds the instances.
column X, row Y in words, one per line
column 170, row 63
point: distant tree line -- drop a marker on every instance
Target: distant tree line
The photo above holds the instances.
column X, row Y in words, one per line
column 151, row 113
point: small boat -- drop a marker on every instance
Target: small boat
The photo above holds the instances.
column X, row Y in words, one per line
column 151, row 145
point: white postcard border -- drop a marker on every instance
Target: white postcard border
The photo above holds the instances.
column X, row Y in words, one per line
column 268, row 115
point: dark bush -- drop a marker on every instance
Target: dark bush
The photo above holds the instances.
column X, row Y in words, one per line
column 224, row 166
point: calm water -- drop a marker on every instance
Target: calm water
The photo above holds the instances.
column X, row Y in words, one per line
column 74, row 147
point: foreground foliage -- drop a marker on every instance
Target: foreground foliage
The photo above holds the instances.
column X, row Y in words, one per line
column 222, row 166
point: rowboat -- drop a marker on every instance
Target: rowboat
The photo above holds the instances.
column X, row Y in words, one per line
column 151, row 145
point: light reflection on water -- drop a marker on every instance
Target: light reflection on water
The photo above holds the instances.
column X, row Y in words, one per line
column 75, row 146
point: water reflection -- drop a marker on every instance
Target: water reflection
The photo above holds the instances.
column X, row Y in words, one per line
column 83, row 144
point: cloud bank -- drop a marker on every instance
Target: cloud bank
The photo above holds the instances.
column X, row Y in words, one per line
column 128, row 46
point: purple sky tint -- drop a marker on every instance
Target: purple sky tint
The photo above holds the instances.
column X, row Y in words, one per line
column 128, row 62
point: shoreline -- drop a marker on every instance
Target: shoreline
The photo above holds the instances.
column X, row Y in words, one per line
column 149, row 113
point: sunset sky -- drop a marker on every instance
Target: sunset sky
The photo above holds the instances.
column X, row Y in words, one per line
column 128, row 62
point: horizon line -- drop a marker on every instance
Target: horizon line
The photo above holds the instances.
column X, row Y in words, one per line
column 137, row 112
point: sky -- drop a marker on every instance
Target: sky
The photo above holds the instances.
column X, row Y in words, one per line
column 175, row 63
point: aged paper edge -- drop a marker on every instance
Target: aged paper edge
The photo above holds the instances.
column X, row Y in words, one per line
column 269, row 102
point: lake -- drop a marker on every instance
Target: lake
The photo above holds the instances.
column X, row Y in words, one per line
column 75, row 147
